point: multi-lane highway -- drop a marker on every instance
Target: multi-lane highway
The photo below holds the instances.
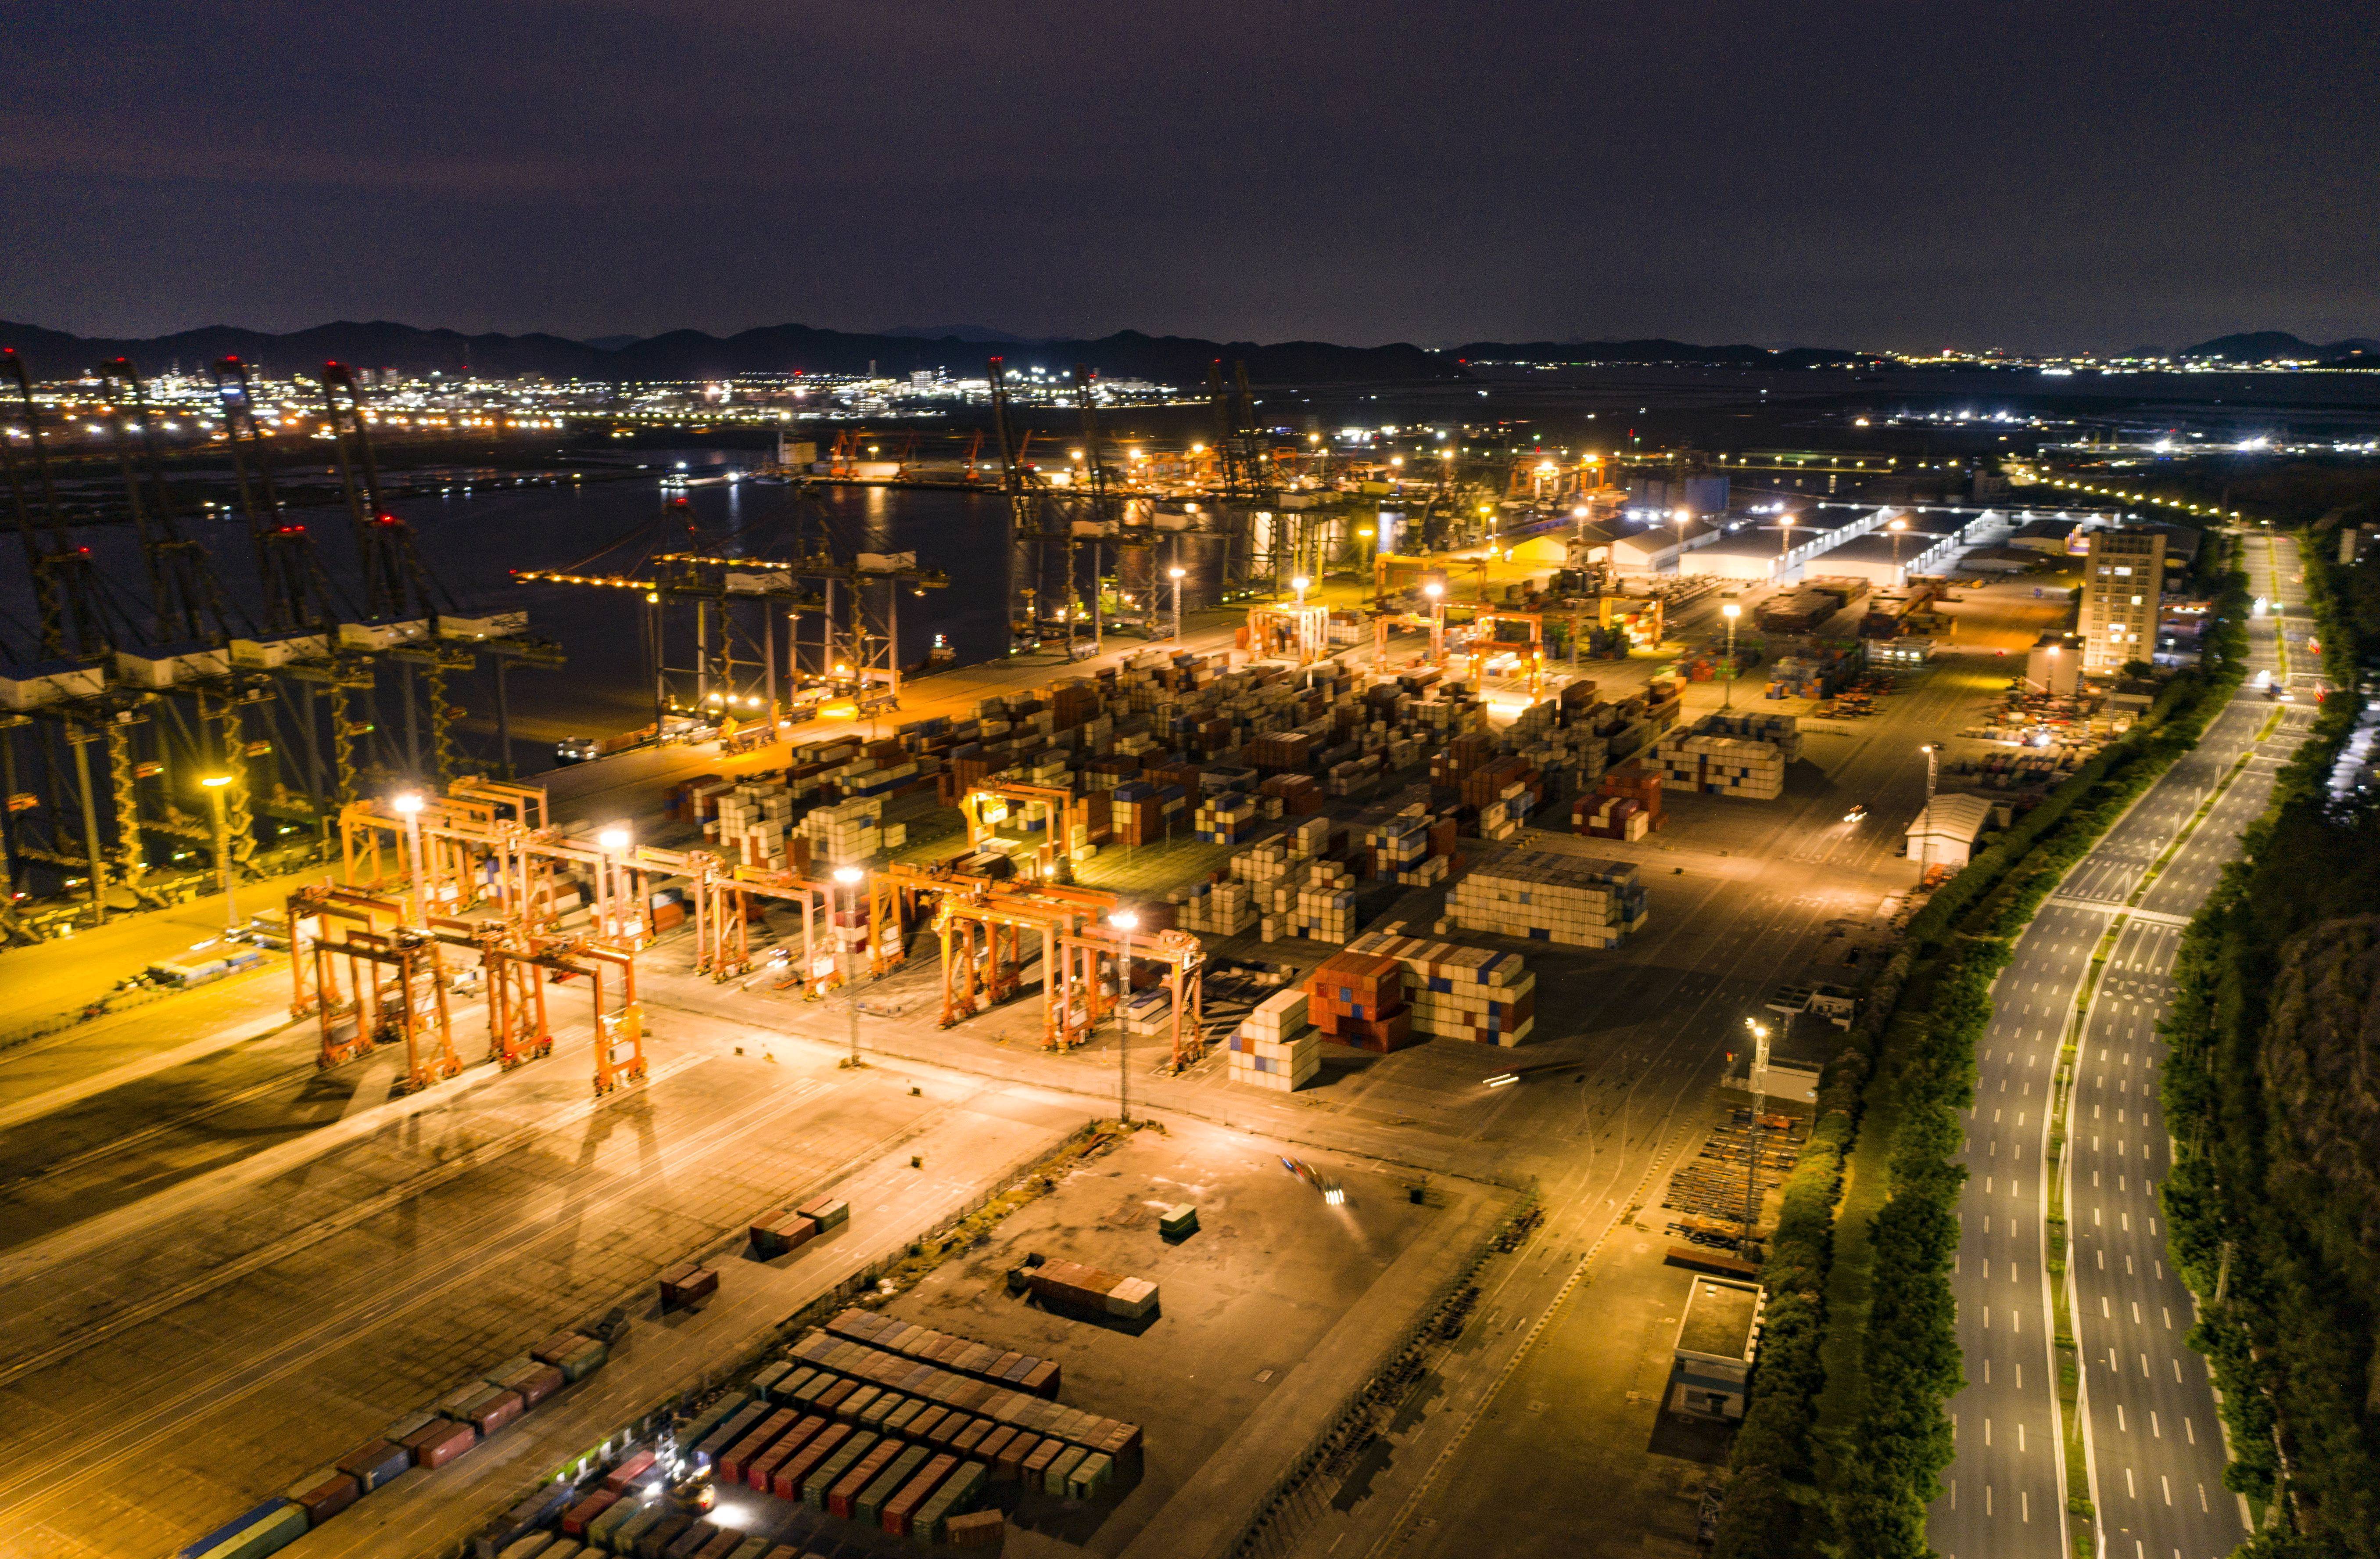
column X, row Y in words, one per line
column 2153, row 1448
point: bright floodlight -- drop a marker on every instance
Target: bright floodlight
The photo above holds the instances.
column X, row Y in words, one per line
column 1433, row 590
column 613, row 838
column 408, row 803
column 1733, row 609
column 214, row 782
column 847, row 875
column 1123, row 920
column 1175, row 573
column 1300, row 582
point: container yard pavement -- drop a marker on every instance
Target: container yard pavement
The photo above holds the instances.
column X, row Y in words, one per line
column 228, row 1348
column 892, row 1204
column 1270, row 1313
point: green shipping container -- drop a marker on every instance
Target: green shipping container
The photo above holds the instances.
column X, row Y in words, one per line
column 869, row 1508
column 1092, row 1474
column 1054, row 1481
column 631, row 1532
column 269, row 1529
column 814, row 1489
column 603, row 1532
column 710, row 1417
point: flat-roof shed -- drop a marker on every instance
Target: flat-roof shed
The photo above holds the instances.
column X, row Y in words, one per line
column 1718, row 1335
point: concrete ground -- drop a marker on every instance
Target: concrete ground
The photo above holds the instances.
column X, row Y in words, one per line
column 237, row 1331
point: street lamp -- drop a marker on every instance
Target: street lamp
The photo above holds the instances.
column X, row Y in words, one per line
column 1897, row 527
column 1730, row 612
column 1436, row 591
column 1299, row 584
column 1175, row 575
column 1926, row 819
column 409, row 805
column 847, row 937
column 1758, row 1077
column 1368, row 533
column 1784, row 543
column 214, row 784
column 1125, row 921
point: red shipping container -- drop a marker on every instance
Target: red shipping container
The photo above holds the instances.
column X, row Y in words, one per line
column 435, row 1444
column 491, row 1414
column 736, row 1465
column 576, row 1520
column 915, row 1493
column 1014, row 1455
column 628, row 1472
column 326, row 1496
column 790, row 1480
column 862, row 1473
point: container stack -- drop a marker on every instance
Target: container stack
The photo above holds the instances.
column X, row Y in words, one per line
column 1359, row 999
column 752, row 821
column 1145, row 812
column 1453, row 764
column 1225, row 908
column 1090, row 1289
column 845, row 834
column 1275, row 1048
column 1553, row 898
column 1459, row 992
column 1226, row 819
column 1740, row 756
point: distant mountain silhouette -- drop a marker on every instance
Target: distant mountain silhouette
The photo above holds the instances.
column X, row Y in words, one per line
column 1656, row 350
column 2270, row 345
column 983, row 333
column 691, row 354
column 612, row 343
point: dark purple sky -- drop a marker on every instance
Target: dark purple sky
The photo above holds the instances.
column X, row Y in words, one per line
column 2021, row 174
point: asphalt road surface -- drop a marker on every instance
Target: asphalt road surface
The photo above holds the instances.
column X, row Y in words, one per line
column 2154, row 1445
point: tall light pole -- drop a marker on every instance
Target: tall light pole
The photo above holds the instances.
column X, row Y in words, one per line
column 409, row 805
column 1758, row 1077
column 1123, row 920
column 1925, row 818
column 1299, row 585
column 1175, row 575
column 1436, row 593
column 1784, row 543
column 1897, row 527
column 1730, row 612
column 1367, row 532
column 214, row 785
column 847, row 877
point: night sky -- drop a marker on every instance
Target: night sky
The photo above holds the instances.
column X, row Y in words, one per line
column 2027, row 175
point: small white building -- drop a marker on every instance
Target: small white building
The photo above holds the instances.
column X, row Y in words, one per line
column 1946, row 832
column 1718, row 1336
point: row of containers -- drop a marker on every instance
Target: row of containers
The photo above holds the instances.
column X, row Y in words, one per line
column 428, row 1440
column 856, row 1424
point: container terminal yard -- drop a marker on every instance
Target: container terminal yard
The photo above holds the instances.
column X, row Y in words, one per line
column 1146, row 1094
